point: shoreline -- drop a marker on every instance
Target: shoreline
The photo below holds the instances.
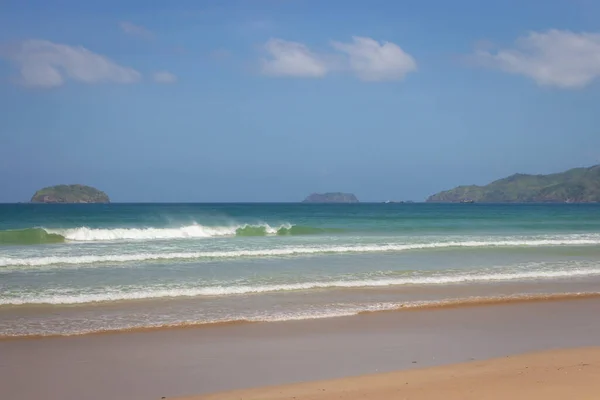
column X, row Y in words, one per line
column 185, row 362
column 549, row 375
column 476, row 301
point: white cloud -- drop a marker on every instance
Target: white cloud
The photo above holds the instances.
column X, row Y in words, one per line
column 372, row 61
column 46, row 64
column 292, row 59
column 367, row 58
column 135, row 30
column 553, row 58
column 164, row 77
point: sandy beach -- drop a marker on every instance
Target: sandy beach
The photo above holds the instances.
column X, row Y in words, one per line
column 195, row 361
column 550, row 375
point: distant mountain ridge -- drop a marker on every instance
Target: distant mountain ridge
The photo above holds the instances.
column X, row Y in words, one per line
column 70, row 194
column 577, row 185
column 332, row 197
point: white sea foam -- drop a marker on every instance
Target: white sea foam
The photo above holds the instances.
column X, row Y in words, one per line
column 334, row 310
column 83, row 234
column 139, row 293
column 288, row 251
column 101, row 325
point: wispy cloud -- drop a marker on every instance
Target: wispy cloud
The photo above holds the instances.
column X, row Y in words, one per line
column 292, row 59
column 553, row 58
column 374, row 61
column 368, row 59
column 164, row 77
column 135, row 30
column 45, row 64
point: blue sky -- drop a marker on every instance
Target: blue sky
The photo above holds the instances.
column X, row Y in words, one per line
column 270, row 100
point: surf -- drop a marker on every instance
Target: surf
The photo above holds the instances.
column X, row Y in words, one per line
column 142, row 293
column 32, row 236
column 290, row 251
column 82, row 234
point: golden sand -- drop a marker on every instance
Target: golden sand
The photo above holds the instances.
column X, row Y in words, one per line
column 551, row 375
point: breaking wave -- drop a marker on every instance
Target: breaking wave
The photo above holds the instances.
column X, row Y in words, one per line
column 29, row 236
column 83, row 234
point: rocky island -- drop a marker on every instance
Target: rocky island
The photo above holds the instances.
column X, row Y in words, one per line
column 577, row 185
column 70, row 194
column 334, row 197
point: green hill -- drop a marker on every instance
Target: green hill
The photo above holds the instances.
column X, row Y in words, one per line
column 70, row 194
column 578, row 185
column 336, row 197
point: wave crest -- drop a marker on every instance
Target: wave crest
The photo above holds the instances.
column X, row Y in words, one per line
column 85, row 234
column 184, row 232
column 29, row 236
column 285, row 251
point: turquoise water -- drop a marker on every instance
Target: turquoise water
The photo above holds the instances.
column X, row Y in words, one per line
column 68, row 269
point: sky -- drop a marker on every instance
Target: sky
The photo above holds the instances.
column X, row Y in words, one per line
column 271, row 100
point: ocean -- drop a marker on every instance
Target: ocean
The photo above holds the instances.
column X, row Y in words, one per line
column 75, row 269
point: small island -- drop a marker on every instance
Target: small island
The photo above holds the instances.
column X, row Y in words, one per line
column 577, row 185
column 70, row 194
column 334, row 197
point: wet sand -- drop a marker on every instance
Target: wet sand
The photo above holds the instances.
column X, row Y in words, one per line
column 550, row 375
column 183, row 362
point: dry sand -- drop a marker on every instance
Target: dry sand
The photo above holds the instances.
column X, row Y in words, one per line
column 550, row 375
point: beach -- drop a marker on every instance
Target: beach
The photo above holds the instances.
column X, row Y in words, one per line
column 145, row 301
column 299, row 200
column 179, row 362
column 549, row 375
